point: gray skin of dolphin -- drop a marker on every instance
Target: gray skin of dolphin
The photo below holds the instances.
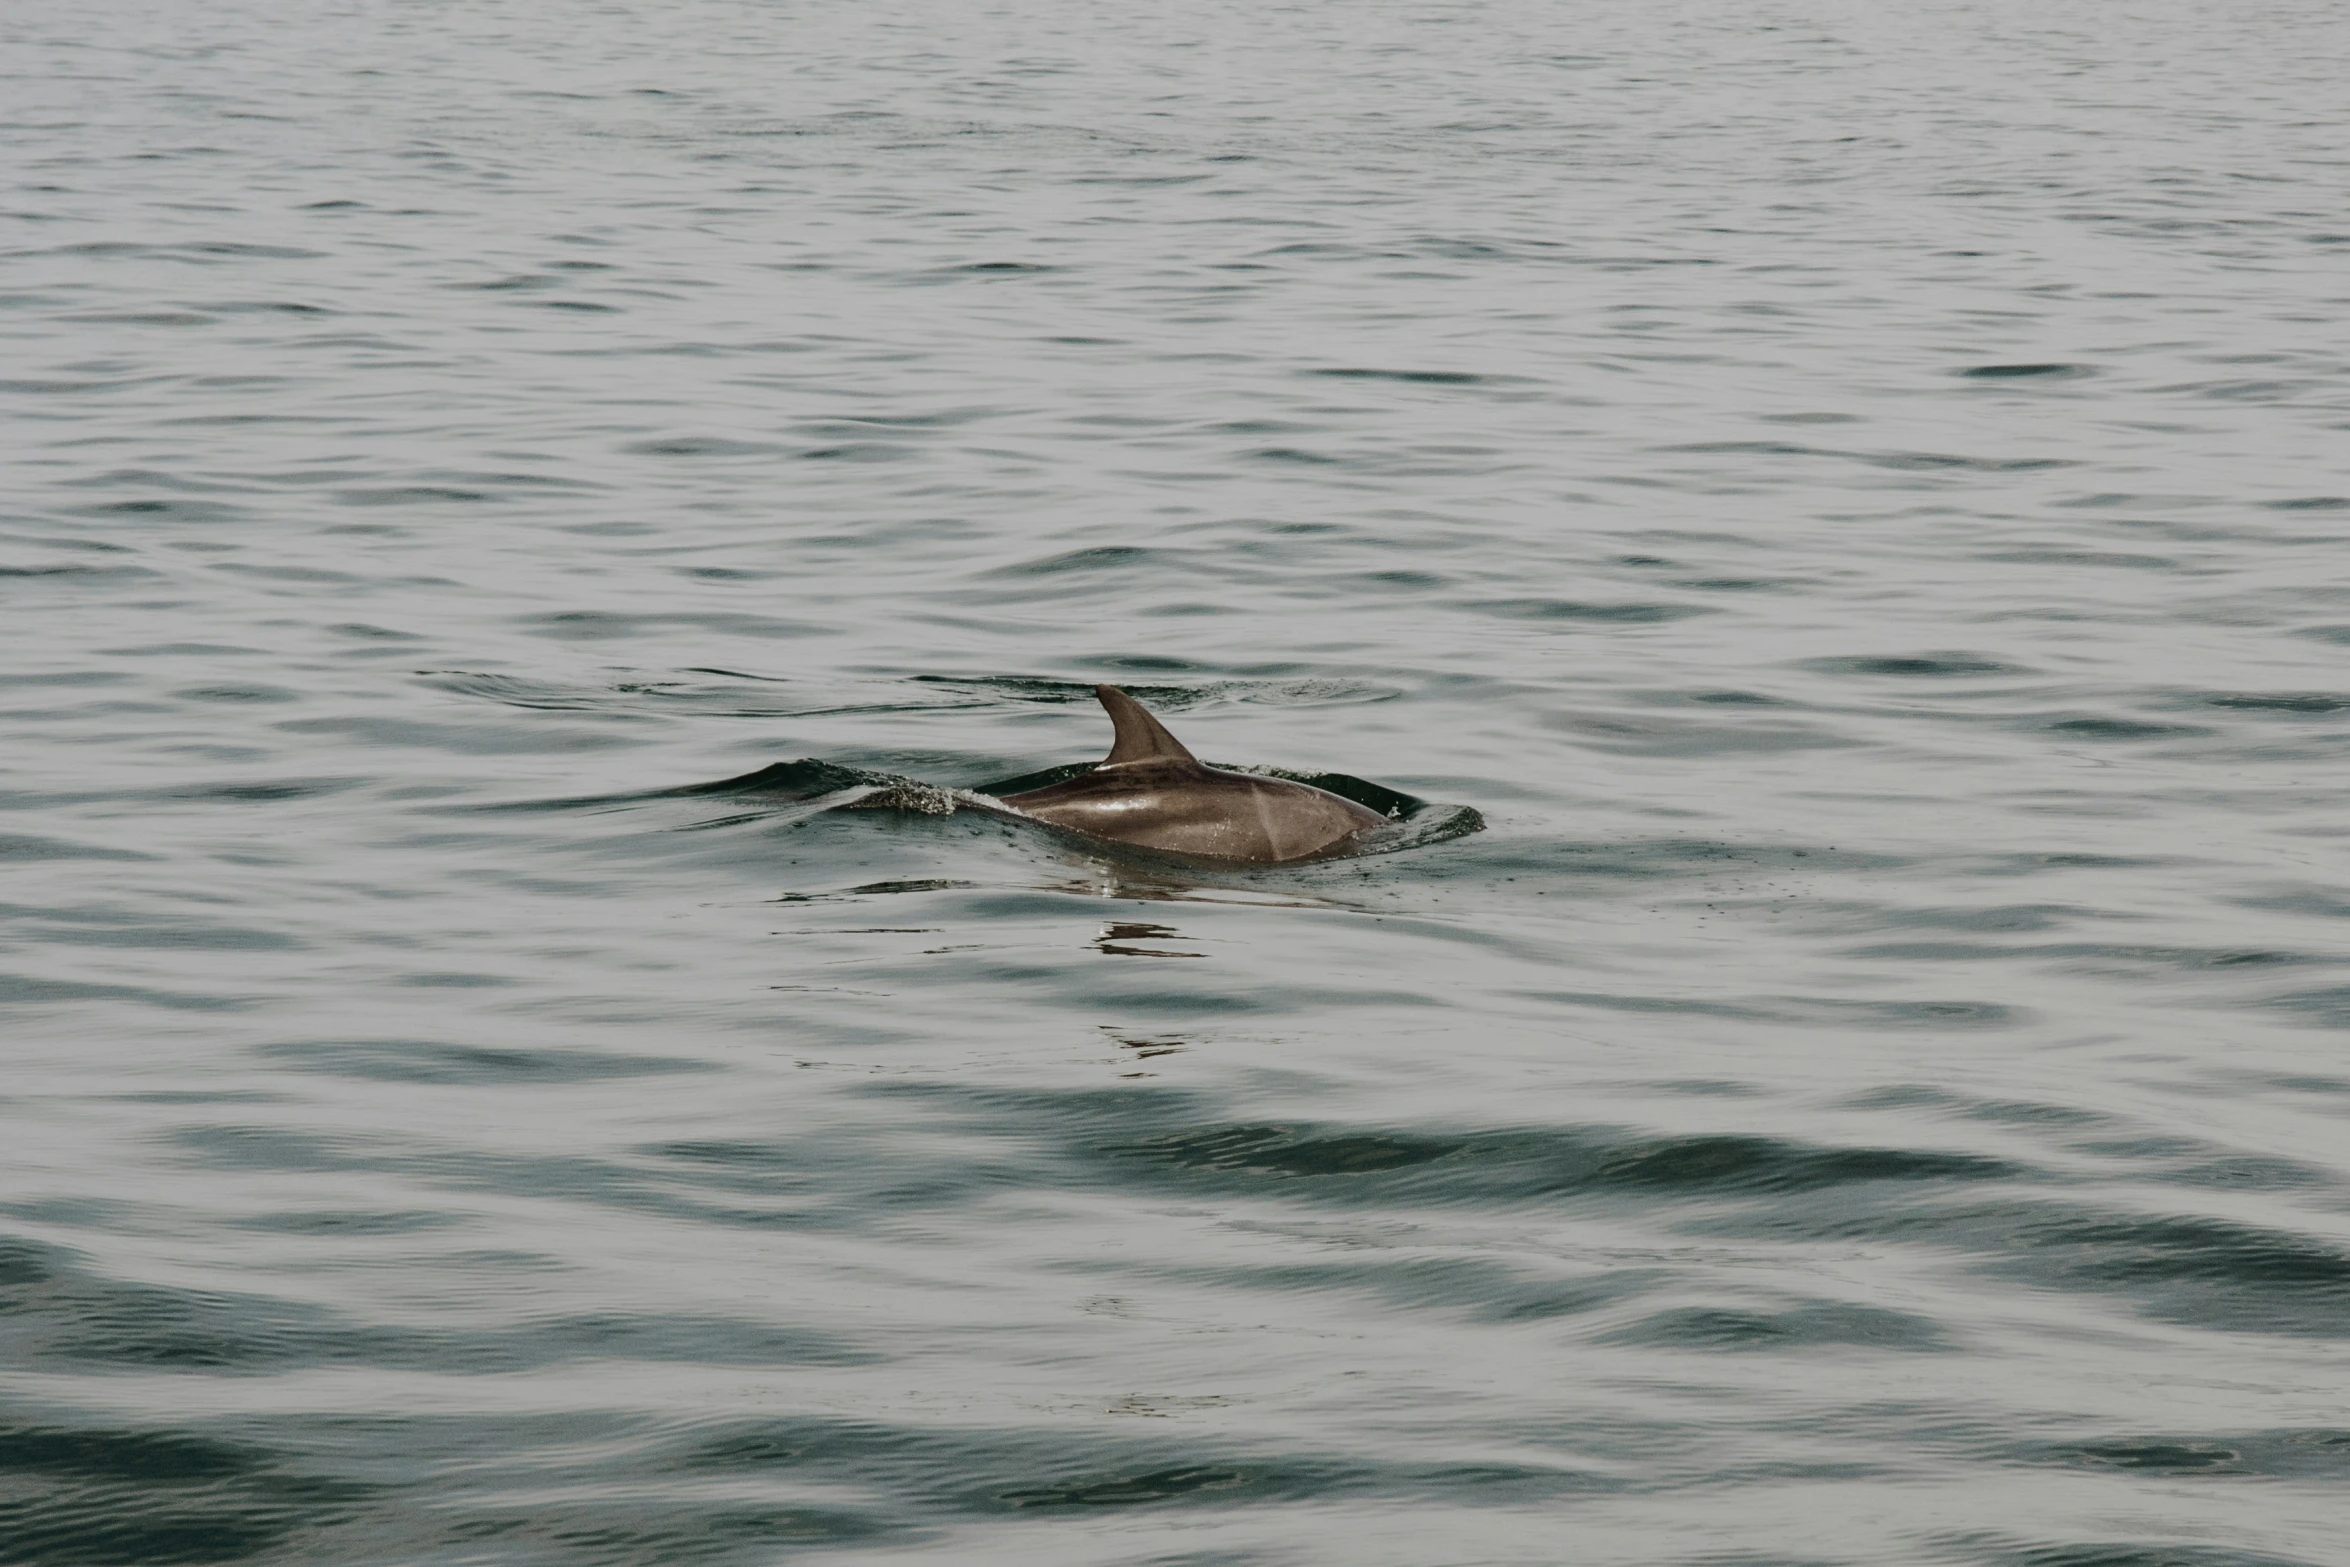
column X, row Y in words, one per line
column 1151, row 792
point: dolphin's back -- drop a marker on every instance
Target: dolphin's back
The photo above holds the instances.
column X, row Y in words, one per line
column 1152, row 792
column 1187, row 808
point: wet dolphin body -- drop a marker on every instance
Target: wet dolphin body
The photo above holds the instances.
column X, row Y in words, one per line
column 1151, row 792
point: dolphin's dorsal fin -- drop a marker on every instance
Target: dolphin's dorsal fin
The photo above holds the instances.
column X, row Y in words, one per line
column 1141, row 738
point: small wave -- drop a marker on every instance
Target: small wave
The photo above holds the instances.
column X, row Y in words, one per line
column 2026, row 372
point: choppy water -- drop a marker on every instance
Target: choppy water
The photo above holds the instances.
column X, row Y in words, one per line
column 1853, row 494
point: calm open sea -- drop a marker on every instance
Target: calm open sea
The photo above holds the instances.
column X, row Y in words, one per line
column 1856, row 495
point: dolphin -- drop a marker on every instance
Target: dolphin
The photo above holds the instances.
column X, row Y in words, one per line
column 1151, row 792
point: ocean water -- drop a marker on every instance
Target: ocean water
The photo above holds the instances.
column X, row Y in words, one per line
column 1853, row 498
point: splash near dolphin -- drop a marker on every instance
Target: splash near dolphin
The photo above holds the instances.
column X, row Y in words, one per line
column 1150, row 791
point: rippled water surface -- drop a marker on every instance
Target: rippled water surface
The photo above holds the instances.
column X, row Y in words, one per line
column 1853, row 495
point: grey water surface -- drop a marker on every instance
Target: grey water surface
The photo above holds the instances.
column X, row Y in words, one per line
column 1853, row 495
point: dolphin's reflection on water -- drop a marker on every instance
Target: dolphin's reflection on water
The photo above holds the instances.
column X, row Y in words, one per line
column 1125, row 883
column 1118, row 937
